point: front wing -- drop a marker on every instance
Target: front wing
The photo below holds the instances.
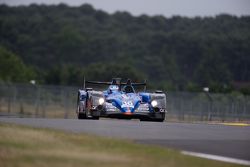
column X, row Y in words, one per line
column 143, row 111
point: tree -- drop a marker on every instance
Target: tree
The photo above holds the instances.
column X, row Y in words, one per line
column 12, row 69
column 182, row 53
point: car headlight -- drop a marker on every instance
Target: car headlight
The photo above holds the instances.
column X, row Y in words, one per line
column 154, row 103
column 101, row 101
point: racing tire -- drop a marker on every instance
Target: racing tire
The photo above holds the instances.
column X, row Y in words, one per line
column 152, row 120
column 144, row 119
column 95, row 118
column 158, row 120
column 81, row 116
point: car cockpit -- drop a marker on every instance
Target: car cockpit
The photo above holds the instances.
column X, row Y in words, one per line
column 128, row 88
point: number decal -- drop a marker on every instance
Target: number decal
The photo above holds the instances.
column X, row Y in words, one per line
column 127, row 104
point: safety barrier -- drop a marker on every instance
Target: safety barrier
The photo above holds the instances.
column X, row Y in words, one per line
column 27, row 100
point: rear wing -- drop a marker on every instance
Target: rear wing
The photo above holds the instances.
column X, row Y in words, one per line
column 98, row 82
column 115, row 81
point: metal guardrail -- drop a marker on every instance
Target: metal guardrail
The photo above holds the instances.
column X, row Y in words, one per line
column 27, row 100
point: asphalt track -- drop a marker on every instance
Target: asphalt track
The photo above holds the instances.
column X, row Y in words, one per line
column 222, row 140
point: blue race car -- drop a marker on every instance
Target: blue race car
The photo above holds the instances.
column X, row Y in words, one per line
column 120, row 101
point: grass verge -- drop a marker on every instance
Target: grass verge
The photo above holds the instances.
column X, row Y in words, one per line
column 24, row 146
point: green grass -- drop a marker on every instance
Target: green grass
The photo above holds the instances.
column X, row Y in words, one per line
column 27, row 147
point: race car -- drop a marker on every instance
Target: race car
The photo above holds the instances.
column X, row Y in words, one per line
column 120, row 101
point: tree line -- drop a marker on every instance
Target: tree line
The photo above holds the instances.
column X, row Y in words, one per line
column 58, row 44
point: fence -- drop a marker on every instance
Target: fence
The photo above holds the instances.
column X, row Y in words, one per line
column 20, row 100
column 184, row 106
column 38, row 101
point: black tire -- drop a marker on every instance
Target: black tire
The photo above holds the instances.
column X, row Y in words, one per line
column 95, row 118
column 158, row 120
column 152, row 120
column 81, row 116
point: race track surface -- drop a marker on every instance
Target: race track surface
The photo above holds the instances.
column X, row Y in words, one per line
column 229, row 141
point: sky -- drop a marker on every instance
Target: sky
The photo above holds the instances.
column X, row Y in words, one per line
column 167, row 8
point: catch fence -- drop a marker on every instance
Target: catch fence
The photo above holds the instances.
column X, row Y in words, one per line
column 43, row 101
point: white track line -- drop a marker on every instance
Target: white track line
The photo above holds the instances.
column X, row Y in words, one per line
column 218, row 158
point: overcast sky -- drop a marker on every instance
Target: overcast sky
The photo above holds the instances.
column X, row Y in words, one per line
column 168, row 8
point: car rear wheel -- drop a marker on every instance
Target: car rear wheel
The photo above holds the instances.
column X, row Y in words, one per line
column 81, row 115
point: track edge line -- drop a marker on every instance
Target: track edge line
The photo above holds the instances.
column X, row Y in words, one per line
column 217, row 157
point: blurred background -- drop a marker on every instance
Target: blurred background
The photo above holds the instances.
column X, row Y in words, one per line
column 197, row 52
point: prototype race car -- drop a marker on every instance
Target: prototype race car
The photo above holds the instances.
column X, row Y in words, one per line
column 120, row 101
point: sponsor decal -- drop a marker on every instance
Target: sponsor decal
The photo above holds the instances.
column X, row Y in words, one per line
column 128, row 104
